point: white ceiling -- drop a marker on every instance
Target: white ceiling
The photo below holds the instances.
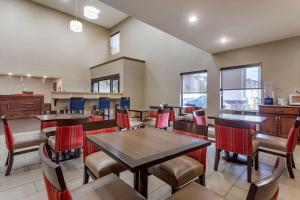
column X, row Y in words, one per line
column 243, row 22
column 108, row 18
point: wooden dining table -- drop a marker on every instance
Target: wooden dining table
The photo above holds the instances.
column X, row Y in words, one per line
column 141, row 111
column 139, row 149
column 55, row 117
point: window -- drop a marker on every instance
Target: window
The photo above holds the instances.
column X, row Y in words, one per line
column 241, row 87
column 115, row 43
column 194, row 88
column 107, row 84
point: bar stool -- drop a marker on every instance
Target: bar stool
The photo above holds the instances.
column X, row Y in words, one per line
column 77, row 105
column 103, row 105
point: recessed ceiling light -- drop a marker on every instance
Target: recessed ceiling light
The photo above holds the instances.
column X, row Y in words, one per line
column 193, row 19
column 28, row 75
column 44, row 76
column 9, row 73
column 91, row 12
column 224, row 40
column 76, row 26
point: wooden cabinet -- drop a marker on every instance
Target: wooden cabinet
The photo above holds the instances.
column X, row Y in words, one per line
column 281, row 119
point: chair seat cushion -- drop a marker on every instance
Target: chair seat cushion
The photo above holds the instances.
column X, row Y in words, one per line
column 188, row 117
column 29, row 140
column 49, row 131
column 255, row 145
column 179, row 117
column 109, row 187
column 272, row 142
column 178, row 171
column 135, row 123
column 100, row 164
column 195, row 191
column 211, row 132
column 150, row 122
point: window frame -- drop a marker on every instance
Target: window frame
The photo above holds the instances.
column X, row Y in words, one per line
column 110, row 44
column 111, row 78
column 243, row 89
column 181, row 79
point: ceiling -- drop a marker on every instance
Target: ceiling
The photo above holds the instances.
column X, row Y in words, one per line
column 242, row 22
column 108, row 18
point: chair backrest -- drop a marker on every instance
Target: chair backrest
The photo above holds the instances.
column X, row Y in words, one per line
column 123, row 118
column 172, row 117
column 267, row 188
column 9, row 137
column 125, row 102
column 190, row 108
column 69, row 134
column 200, row 118
column 293, row 136
column 234, row 136
column 162, row 118
column 77, row 104
column 53, row 177
column 104, row 103
column 154, row 112
column 96, row 116
column 98, row 127
column 196, row 131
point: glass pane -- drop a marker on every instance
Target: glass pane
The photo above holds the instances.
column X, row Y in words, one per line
column 115, row 44
column 241, row 99
column 95, row 87
column 115, row 86
column 241, row 78
column 104, row 86
column 195, row 83
column 195, row 98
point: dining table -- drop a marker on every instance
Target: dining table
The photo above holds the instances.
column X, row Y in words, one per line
column 139, row 149
column 252, row 119
column 141, row 111
column 55, row 117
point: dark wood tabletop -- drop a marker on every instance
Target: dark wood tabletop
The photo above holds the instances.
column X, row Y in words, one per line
column 54, row 117
column 248, row 118
column 142, row 148
column 142, row 109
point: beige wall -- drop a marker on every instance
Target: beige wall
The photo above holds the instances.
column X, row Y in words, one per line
column 14, row 85
column 165, row 58
column 280, row 63
column 37, row 40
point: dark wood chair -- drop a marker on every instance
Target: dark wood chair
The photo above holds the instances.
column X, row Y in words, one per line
column 281, row 146
column 19, row 144
column 184, row 169
column 200, row 117
column 161, row 121
column 236, row 137
column 96, row 163
column 109, row 187
column 266, row 188
column 69, row 136
column 124, row 120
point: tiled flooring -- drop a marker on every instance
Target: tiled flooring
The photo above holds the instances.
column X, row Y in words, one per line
column 25, row 181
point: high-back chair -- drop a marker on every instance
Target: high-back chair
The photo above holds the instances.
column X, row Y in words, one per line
column 199, row 117
column 69, row 136
column 264, row 189
column 96, row 116
column 236, row 137
column 281, row 146
column 190, row 108
column 161, row 121
column 49, row 127
column 96, row 163
column 19, row 143
column 124, row 120
column 184, row 169
column 106, row 188
column 77, row 105
column 104, row 106
column 153, row 114
column 125, row 102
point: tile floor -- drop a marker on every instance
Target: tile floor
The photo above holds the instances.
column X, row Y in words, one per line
column 25, row 181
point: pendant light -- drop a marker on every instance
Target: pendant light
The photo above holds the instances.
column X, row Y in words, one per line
column 75, row 25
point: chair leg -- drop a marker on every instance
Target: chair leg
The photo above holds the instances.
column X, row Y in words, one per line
column 256, row 161
column 293, row 162
column 57, row 154
column 10, row 163
column 174, row 190
column 6, row 163
column 85, row 175
column 217, row 159
column 249, row 168
column 202, row 179
column 289, row 165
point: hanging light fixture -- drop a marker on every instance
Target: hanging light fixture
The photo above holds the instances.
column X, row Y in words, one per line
column 75, row 25
column 91, row 12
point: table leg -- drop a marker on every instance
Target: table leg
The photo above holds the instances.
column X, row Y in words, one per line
column 136, row 180
column 143, row 183
column 141, row 116
column 180, row 112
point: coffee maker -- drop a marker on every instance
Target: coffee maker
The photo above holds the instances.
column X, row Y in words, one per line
column 269, row 93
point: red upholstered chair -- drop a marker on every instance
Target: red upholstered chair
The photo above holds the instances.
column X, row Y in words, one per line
column 96, row 163
column 107, row 188
column 184, row 169
column 236, row 137
column 49, row 127
column 69, row 136
column 124, row 121
column 96, row 116
column 281, row 146
column 200, row 118
column 190, row 108
column 19, row 143
column 161, row 121
column 172, row 115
